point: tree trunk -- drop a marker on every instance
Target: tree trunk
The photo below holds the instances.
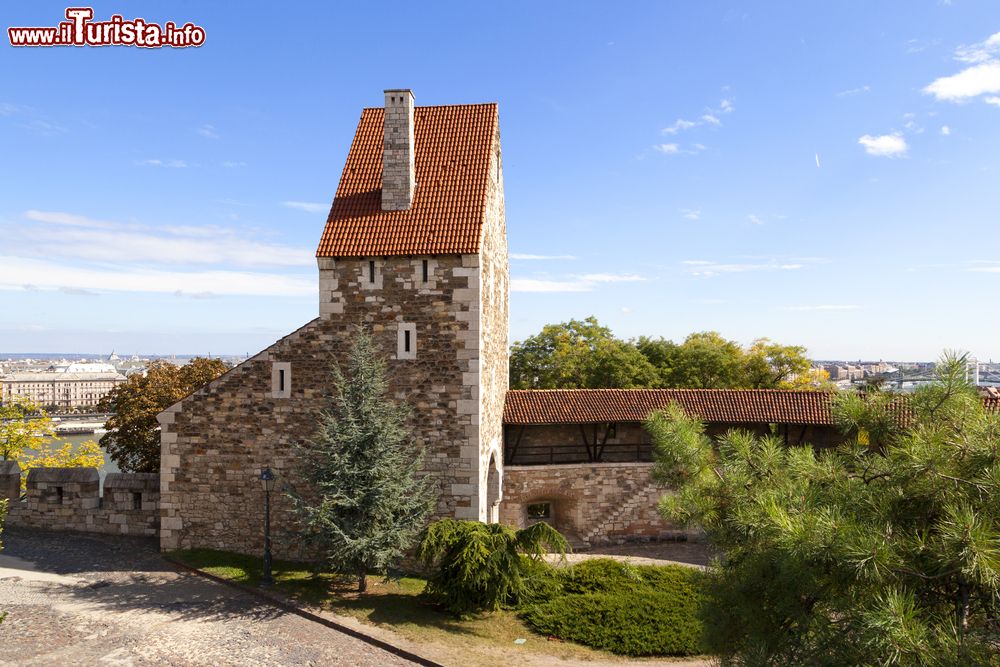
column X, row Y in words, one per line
column 962, row 611
column 362, row 582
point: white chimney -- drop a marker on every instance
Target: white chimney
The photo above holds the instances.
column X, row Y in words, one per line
column 398, row 170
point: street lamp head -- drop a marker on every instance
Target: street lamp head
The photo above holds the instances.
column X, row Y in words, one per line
column 267, row 479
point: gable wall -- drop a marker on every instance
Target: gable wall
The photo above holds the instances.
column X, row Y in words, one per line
column 216, row 441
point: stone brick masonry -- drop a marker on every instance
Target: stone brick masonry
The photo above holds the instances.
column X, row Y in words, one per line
column 591, row 503
column 70, row 499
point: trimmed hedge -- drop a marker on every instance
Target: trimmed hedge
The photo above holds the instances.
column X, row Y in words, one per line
column 628, row 610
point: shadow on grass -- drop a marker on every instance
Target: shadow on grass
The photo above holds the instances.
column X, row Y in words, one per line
column 396, row 602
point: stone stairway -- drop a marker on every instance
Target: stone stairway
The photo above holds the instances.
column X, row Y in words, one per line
column 647, row 494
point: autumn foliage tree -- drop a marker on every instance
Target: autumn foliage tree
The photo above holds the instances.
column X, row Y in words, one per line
column 23, row 426
column 28, row 436
column 133, row 437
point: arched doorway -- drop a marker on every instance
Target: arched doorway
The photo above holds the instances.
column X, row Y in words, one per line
column 494, row 494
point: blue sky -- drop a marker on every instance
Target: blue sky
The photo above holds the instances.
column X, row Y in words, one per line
column 821, row 173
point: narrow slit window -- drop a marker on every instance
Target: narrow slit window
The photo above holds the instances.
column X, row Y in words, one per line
column 281, row 379
column 137, row 500
column 425, row 271
column 406, row 342
column 59, row 495
column 371, row 271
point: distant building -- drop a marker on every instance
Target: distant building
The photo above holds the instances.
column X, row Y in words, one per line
column 59, row 390
column 88, row 367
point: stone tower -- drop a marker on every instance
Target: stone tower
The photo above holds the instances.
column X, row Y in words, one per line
column 415, row 251
column 424, row 264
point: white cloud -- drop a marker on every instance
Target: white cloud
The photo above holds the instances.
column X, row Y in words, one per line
column 585, row 283
column 529, row 257
column 59, row 218
column 44, row 127
column 885, row 145
column 679, row 124
column 232, row 164
column 710, row 117
column 945, row 130
column 531, row 285
column 755, row 219
column 15, row 272
column 988, row 268
column 854, row 91
column 307, row 206
column 611, row 278
column 208, row 131
column 981, row 52
column 982, row 77
column 995, row 101
column 675, row 149
column 971, row 82
column 822, row 307
column 173, row 164
column 109, row 242
column 817, row 160
column 706, row 269
column 690, row 213
column 7, row 109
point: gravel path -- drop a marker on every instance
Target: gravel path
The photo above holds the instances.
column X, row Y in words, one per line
column 690, row 554
column 74, row 599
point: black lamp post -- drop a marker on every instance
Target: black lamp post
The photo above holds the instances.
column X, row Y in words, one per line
column 267, row 481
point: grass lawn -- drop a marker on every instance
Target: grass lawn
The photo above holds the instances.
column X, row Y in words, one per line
column 486, row 639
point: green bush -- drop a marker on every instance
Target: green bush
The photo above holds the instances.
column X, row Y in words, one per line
column 629, row 623
column 542, row 582
column 483, row 567
column 600, row 575
column 625, row 609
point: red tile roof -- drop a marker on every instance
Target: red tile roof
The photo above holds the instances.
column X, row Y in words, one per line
column 734, row 406
column 452, row 154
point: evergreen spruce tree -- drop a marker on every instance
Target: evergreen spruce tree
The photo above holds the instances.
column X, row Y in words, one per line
column 366, row 501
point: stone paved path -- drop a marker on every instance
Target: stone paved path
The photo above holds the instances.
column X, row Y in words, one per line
column 76, row 599
column 689, row 554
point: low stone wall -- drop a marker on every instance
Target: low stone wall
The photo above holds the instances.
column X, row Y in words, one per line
column 70, row 499
column 590, row 503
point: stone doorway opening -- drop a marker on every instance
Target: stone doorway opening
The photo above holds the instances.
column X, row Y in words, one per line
column 493, row 491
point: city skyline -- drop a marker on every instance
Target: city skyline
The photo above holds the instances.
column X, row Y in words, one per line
column 821, row 176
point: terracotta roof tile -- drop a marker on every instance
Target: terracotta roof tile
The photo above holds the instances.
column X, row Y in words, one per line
column 452, row 153
column 581, row 406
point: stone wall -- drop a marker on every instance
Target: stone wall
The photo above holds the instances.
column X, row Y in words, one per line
column 494, row 368
column 70, row 499
column 214, row 443
column 591, row 503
